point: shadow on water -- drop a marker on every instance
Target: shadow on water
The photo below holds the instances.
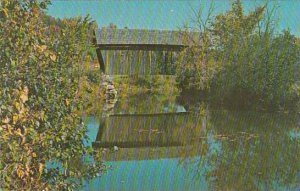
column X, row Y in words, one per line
column 203, row 149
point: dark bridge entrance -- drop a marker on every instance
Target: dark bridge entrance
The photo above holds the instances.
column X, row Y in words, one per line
column 140, row 40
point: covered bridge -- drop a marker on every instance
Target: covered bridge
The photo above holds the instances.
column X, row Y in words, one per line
column 162, row 42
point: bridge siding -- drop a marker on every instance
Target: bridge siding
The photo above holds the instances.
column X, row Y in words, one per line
column 122, row 62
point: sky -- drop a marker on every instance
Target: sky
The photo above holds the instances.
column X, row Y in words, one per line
column 163, row 14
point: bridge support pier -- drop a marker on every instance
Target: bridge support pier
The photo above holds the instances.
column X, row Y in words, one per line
column 100, row 59
column 98, row 52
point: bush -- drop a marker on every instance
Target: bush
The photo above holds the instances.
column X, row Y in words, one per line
column 40, row 110
column 262, row 72
column 241, row 60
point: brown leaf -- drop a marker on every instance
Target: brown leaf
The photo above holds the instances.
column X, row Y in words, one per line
column 24, row 94
column 41, row 168
column 41, row 48
column 6, row 120
column 53, row 57
column 34, row 155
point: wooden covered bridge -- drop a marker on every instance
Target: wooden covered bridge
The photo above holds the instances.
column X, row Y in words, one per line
column 167, row 42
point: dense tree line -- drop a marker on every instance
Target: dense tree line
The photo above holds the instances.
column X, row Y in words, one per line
column 243, row 60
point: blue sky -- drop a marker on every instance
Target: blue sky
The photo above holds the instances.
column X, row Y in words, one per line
column 161, row 14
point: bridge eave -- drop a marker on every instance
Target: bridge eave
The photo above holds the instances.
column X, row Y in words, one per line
column 142, row 47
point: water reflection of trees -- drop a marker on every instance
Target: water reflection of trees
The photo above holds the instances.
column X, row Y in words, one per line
column 247, row 151
column 231, row 150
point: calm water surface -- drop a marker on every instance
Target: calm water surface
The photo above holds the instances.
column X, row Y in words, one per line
column 204, row 149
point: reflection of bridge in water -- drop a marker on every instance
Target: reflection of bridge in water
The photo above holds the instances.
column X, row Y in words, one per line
column 148, row 136
column 255, row 146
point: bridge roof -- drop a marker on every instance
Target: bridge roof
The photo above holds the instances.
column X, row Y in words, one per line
column 134, row 37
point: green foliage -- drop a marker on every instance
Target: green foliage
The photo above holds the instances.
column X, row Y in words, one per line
column 239, row 62
column 40, row 108
column 262, row 71
column 233, row 26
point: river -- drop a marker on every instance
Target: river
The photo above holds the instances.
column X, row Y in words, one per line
column 176, row 144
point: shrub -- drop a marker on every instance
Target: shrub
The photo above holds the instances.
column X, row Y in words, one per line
column 40, row 110
column 241, row 60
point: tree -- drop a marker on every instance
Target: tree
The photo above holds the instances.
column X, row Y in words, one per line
column 234, row 25
column 40, row 108
column 239, row 59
